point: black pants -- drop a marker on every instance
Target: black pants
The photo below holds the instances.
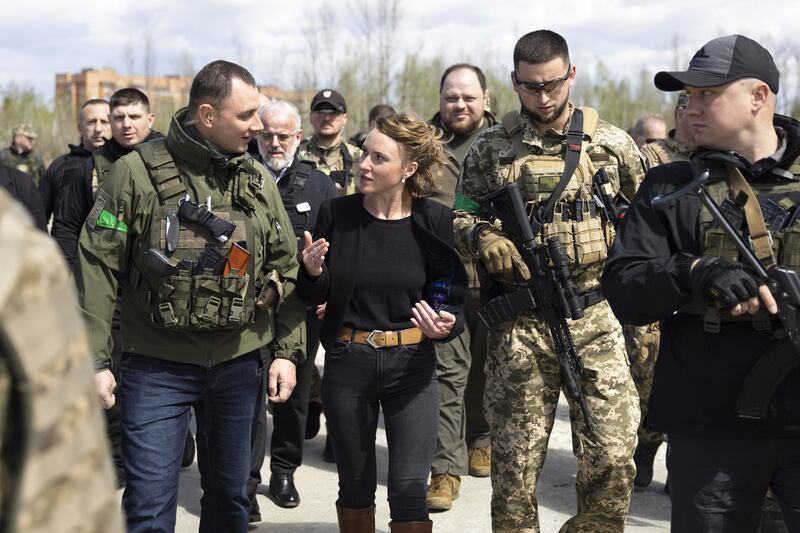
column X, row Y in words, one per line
column 288, row 419
column 719, row 484
column 358, row 381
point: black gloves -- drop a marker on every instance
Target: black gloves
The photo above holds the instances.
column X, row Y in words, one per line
column 724, row 281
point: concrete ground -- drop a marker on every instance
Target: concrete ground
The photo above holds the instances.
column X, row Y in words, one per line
column 317, row 483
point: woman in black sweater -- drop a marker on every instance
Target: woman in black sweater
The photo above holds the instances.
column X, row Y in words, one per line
column 384, row 263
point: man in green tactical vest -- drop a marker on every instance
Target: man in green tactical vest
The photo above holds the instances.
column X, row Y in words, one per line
column 55, row 472
column 22, row 154
column 197, row 230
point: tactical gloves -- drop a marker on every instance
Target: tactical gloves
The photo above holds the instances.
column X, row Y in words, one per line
column 723, row 281
column 500, row 256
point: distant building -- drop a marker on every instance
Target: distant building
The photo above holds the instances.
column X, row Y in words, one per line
column 164, row 91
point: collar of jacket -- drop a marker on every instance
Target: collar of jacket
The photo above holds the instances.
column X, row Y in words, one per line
column 113, row 150
column 194, row 153
column 79, row 150
column 791, row 128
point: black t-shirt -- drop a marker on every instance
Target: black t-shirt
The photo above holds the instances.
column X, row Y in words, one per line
column 391, row 276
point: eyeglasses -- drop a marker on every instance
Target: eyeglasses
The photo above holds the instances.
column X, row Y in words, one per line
column 282, row 137
column 545, row 86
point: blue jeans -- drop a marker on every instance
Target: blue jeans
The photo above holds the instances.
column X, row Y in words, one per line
column 156, row 395
column 358, row 380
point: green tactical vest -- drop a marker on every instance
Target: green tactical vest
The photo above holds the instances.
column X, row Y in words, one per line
column 201, row 301
column 585, row 237
column 55, row 465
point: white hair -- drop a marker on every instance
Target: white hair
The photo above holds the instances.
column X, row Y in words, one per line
column 276, row 104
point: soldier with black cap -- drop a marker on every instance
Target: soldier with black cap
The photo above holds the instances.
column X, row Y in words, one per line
column 332, row 155
column 671, row 262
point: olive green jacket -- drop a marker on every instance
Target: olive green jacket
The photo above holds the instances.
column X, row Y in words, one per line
column 106, row 254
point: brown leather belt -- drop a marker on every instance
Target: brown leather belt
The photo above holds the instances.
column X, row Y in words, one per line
column 382, row 339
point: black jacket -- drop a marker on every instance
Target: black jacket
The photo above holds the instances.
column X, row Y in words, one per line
column 317, row 188
column 52, row 183
column 79, row 197
column 339, row 223
column 646, row 279
column 22, row 187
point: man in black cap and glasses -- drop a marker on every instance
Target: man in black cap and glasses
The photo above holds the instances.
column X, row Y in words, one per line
column 672, row 262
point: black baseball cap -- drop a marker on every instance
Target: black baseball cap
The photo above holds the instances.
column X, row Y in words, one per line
column 328, row 99
column 722, row 61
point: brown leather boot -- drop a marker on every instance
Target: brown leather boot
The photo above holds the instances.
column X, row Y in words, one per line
column 411, row 527
column 356, row 520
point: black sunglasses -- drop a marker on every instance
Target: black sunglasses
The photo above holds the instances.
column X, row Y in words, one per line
column 545, row 86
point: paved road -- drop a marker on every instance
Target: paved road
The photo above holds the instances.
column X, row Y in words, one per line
column 316, row 481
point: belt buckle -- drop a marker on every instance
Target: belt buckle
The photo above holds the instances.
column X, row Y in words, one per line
column 371, row 338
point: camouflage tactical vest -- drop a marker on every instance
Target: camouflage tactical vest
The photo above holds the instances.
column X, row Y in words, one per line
column 576, row 221
column 56, row 468
column 200, row 300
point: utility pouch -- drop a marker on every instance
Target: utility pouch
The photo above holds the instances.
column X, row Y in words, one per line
column 790, row 249
column 562, row 230
column 717, row 243
column 590, row 241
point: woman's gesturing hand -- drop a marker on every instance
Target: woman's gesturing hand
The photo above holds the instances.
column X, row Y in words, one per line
column 434, row 325
column 314, row 254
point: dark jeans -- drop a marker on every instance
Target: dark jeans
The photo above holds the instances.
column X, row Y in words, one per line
column 156, row 396
column 288, row 419
column 359, row 380
column 719, row 484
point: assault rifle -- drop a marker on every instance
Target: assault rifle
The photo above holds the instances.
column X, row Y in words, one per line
column 550, row 291
column 784, row 284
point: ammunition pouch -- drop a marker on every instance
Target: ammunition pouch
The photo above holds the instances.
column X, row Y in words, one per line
column 202, row 302
column 586, row 241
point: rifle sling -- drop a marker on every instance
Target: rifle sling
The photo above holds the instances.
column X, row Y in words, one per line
column 759, row 235
column 765, row 376
column 572, row 159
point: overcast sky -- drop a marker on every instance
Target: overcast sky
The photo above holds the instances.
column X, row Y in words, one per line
column 39, row 38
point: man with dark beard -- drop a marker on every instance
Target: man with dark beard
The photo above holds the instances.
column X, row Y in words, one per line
column 302, row 188
column 523, row 379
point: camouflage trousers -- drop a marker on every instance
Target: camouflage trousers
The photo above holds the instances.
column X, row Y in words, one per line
column 522, row 390
column 641, row 343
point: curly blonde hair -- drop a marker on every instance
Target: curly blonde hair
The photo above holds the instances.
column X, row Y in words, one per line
column 418, row 142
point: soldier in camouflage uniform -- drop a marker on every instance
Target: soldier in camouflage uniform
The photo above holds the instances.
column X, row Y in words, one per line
column 55, row 471
column 523, row 378
column 641, row 342
column 22, row 155
column 333, row 156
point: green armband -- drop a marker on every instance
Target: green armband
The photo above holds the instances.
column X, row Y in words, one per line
column 109, row 221
column 465, row 203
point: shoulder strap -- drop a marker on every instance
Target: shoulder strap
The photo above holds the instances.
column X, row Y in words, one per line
column 575, row 149
column 301, row 174
column 759, row 236
column 590, row 119
column 161, row 169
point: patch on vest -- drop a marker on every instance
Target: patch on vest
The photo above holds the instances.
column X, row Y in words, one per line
column 99, row 204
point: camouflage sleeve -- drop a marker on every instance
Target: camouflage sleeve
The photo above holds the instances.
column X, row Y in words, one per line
column 472, row 184
column 631, row 166
column 281, row 256
column 104, row 253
